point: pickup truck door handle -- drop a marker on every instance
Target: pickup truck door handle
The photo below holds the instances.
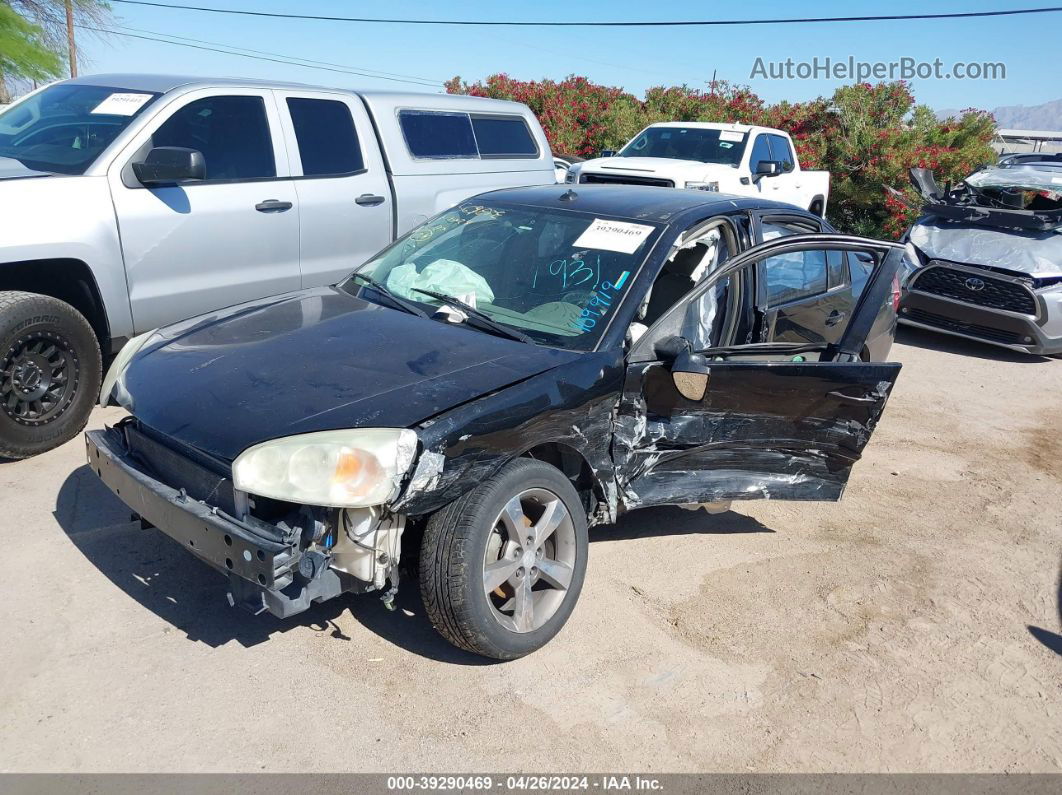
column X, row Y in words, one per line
column 835, row 317
column 272, row 206
column 862, row 401
column 369, row 200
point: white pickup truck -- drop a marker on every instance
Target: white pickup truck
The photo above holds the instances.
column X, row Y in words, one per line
column 729, row 158
column 128, row 202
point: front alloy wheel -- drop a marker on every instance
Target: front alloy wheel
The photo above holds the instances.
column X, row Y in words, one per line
column 529, row 560
column 502, row 567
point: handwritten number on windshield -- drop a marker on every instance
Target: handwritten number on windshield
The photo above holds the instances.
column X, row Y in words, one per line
column 572, row 273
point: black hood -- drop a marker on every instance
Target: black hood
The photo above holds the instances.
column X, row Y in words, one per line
column 315, row 360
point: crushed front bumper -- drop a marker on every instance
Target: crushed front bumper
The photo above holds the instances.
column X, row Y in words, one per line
column 262, row 573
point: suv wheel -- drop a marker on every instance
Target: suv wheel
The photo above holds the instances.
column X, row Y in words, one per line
column 501, row 567
column 50, row 373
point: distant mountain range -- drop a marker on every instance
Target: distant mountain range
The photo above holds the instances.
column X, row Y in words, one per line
column 1047, row 116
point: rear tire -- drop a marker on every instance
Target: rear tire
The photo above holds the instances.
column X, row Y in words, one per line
column 50, row 373
column 501, row 567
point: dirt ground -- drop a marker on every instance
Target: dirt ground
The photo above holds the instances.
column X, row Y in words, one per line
column 914, row 626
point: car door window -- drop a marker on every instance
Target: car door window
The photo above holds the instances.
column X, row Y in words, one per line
column 232, row 132
column 835, row 264
column 795, row 275
column 328, row 142
column 761, row 150
column 782, row 152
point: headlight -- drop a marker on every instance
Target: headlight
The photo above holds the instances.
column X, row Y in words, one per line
column 121, row 361
column 712, row 186
column 570, row 176
column 337, row 469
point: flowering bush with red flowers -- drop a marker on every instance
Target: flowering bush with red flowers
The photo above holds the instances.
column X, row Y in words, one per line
column 866, row 136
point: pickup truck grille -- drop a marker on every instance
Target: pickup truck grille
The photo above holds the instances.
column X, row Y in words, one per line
column 625, row 179
column 978, row 289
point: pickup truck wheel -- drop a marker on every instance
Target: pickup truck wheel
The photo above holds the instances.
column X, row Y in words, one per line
column 501, row 568
column 50, row 372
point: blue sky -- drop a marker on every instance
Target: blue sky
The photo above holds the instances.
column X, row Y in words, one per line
column 634, row 58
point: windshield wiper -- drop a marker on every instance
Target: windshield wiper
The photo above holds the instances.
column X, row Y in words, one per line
column 479, row 315
column 412, row 308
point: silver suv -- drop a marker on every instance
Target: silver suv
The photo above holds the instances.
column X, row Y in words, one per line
column 987, row 257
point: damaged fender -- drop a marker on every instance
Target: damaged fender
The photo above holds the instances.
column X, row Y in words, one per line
column 564, row 413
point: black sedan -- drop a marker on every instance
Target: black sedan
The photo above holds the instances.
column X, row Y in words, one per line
column 527, row 364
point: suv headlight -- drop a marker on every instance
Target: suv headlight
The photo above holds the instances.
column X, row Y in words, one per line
column 121, row 361
column 571, row 176
column 712, row 186
column 336, row 469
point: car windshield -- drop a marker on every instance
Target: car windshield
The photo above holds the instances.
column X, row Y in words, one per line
column 554, row 275
column 689, row 143
column 65, row 127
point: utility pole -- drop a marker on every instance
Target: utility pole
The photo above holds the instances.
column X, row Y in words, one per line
column 70, row 37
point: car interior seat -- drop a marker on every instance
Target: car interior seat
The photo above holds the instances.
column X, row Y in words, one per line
column 674, row 281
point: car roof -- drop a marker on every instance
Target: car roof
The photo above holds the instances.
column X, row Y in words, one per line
column 636, row 202
column 164, row 83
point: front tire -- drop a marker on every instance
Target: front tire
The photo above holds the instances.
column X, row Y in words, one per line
column 50, row 373
column 501, row 568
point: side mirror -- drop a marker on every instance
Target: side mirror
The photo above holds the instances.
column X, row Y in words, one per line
column 690, row 373
column 168, row 165
column 607, row 153
column 689, row 370
column 767, row 168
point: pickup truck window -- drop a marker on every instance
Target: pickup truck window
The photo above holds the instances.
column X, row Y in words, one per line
column 503, row 136
column 782, row 152
column 688, row 143
column 328, row 141
column 761, row 150
column 64, row 128
column 431, row 134
column 231, row 132
column 441, row 134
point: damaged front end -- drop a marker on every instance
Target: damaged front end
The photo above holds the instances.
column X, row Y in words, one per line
column 987, row 258
column 279, row 556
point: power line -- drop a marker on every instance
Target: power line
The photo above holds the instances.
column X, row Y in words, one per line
column 281, row 60
column 309, row 61
column 554, row 24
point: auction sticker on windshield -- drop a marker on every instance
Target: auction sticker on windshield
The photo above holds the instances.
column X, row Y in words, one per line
column 121, row 104
column 618, row 236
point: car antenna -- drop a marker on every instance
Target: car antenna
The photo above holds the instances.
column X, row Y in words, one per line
column 569, row 195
